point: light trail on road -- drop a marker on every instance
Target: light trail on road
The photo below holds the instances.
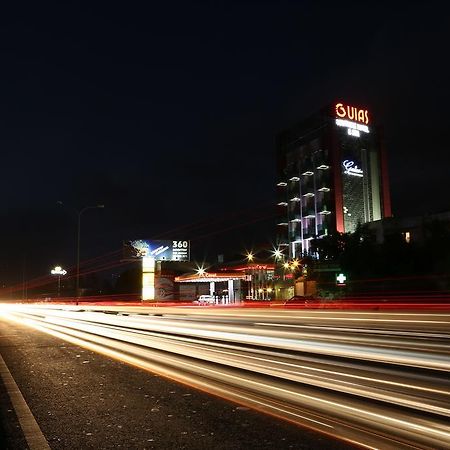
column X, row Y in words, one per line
column 376, row 379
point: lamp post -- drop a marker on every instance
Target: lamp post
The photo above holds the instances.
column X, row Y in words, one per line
column 79, row 212
column 250, row 291
column 277, row 284
column 58, row 270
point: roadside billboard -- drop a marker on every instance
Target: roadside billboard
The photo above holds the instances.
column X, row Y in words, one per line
column 160, row 250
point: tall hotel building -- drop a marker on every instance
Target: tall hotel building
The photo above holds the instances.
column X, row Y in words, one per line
column 332, row 175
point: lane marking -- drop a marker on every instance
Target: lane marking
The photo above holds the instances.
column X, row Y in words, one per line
column 33, row 434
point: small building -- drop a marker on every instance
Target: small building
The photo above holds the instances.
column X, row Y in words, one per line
column 230, row 283
column 413, row 229
column 225, row 287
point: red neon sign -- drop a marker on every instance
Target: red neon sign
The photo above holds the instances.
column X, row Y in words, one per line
column 351, row 113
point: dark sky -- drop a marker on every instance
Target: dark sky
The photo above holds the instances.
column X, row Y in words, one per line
column 166, row 112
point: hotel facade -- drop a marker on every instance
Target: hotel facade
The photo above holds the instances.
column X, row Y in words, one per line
column 331, row 176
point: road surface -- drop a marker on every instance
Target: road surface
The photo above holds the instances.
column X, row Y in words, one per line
column 370, row 378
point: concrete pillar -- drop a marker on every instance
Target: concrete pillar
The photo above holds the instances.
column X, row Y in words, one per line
column 148, row 278
column 230, row 291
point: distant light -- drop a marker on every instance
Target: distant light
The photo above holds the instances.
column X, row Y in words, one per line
column 278, row 253
column 201, row 271
column 58, row 270
column 250, row 256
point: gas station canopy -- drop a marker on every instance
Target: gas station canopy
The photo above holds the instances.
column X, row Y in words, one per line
column 208, row 277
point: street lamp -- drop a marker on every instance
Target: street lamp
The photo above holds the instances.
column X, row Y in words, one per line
column 277, row 253
column 58, row 270
column 251, row 279
column 79, row 213
column 201, row 271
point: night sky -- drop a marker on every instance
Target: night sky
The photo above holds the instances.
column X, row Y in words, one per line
column 167, row 113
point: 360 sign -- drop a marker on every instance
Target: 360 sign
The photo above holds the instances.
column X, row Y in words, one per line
column 180, row 244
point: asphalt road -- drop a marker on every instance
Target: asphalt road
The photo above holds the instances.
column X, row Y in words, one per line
column 84, row 400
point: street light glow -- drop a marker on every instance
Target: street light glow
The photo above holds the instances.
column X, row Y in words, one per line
column 201, row 271
column 58, row 270
column 277, row 253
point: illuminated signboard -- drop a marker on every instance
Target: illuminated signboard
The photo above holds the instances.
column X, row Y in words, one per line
column 353, row 128
column 164, row 250
column 354, row 119
column 350, row 168
column 351, row 113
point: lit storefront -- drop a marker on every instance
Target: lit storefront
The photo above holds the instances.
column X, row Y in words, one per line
column 233, row 284
column 225, row 287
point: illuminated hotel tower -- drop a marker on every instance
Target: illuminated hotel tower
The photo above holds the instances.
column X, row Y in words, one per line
column 332, row 175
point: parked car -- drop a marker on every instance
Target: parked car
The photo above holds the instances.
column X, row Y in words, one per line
column 206, row 300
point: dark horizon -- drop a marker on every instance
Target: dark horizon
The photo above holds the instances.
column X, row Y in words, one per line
column 168, row 115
